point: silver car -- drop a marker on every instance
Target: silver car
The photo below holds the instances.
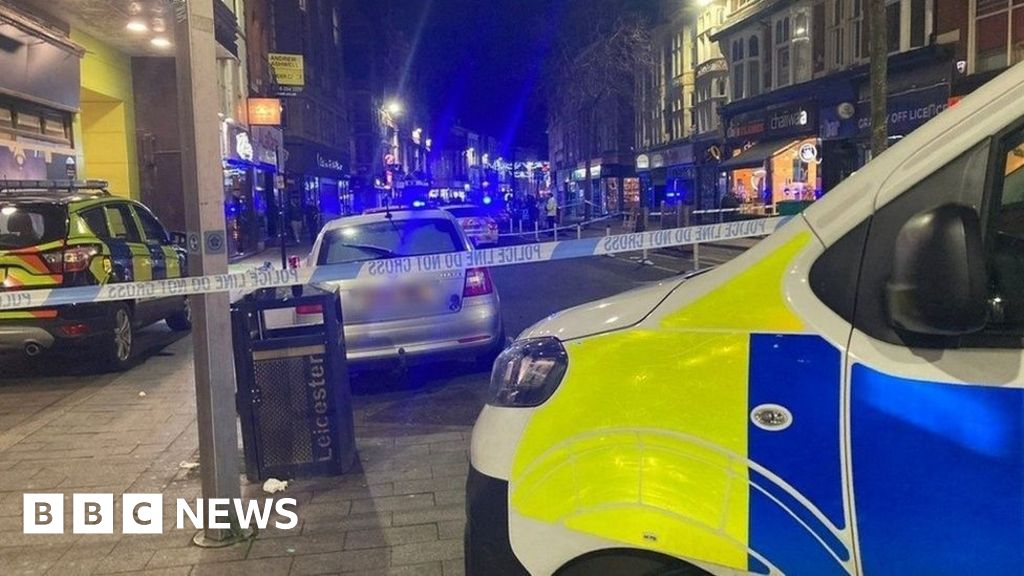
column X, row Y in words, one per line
column 412, row 319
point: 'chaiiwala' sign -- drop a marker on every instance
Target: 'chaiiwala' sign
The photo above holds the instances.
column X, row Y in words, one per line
column 787, row 120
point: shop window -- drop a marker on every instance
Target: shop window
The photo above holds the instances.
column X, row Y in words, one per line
column 800, row 170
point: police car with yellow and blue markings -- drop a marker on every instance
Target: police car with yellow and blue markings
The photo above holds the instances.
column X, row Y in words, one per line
column 847, row 397
column 59, row 234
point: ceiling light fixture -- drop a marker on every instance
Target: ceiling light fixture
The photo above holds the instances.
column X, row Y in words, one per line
column 160, row 42
column 137, row 26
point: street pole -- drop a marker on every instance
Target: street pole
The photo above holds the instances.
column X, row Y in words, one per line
column 879, row 77
column 282, row 218
column 202, row 180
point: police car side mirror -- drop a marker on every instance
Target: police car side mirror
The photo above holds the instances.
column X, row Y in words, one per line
column 938, row 285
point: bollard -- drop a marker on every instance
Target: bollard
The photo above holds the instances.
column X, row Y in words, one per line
column 696, row 257
column 607, row 229
column 536, row 231
column 520, row 226
column 579, row 231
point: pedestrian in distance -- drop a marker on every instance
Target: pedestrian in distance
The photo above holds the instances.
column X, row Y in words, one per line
column 295, row 216
column 551, row 210
column 532, row 211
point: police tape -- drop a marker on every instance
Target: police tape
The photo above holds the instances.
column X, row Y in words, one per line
column 389, row 269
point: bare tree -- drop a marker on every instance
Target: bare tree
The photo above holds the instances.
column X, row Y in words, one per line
column 586, row 78
column 879, row 78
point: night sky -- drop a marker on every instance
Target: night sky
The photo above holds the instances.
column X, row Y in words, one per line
column 480, row 62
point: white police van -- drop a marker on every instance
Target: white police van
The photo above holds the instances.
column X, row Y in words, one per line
column 845, row 398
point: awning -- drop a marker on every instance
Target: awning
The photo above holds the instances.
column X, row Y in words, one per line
column 756, row 155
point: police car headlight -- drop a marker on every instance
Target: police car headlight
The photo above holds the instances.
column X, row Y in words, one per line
column 528, row 373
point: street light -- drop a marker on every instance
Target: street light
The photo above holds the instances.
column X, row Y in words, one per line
column 394, row 107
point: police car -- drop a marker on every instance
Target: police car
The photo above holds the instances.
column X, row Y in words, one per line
column 59, row 234
column 847, row 397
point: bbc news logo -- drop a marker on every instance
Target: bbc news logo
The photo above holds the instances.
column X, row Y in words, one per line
column 144, row 513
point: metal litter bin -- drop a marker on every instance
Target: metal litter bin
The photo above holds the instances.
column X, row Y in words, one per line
column 293, row 393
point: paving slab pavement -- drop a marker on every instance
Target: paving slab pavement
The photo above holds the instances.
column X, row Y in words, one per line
column 400, row 512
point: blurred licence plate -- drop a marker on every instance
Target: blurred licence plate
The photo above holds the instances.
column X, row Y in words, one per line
column 370, row 298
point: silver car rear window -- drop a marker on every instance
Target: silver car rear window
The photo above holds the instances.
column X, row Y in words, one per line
column 395, row 239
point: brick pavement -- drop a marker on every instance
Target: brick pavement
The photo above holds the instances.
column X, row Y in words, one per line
column 401, row 513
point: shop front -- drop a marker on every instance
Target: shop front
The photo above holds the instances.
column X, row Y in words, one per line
column 247, row 195
column 649, row 181
column 268, row 152
column 919, row 89
column 774, row 163
column 605, row 193
column 846, row 126
column 672, row 176
column 320, row 185
column 708, row 182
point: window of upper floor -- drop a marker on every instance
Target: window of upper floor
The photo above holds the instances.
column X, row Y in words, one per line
column 846, row 38
column 745, row 66
column 791, row 47
column 998, row 34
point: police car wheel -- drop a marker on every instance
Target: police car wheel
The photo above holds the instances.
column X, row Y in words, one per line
column 629, row 563
column 181, row 321
column 119, row 342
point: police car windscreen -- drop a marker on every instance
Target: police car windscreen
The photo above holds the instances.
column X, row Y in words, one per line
column 396, row 239
column 25, row 225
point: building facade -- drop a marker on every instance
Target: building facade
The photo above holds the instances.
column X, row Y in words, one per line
column 666, row 112
column 711, row 93
column 986, row 37
column 250, row 160
column 798, row 121
column 307, row 64
column 603, row 138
